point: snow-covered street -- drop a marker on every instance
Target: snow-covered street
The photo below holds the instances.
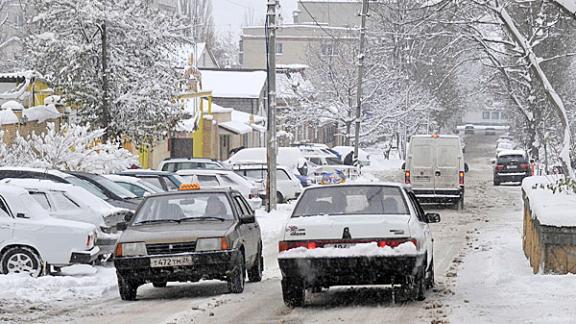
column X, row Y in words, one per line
column 482, row 277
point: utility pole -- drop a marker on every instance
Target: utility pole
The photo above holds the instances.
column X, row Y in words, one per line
column 271, row 149
column 105, row 110
column 363, row 15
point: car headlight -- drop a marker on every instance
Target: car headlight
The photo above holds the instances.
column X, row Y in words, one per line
column 131, row 249
column 212, row 244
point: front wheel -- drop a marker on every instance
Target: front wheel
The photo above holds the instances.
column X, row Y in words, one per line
column 21, row 260
column 127, row 288
column 293, row 292
column 237, row 279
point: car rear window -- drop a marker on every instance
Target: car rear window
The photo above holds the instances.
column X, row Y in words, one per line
column 512, row 158
column 351, row 200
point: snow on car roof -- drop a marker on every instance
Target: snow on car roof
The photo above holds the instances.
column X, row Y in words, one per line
column 39, row 170
column 37, row 184
column 511, row 152
column 203, row 171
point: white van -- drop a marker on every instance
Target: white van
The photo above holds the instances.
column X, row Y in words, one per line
column 435, row 169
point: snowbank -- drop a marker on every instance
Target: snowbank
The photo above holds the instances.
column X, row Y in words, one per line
column 13, row 105
column 74, row 282
column 272, row 224
column 41, row 113
column 364, row 249
column 552, row 209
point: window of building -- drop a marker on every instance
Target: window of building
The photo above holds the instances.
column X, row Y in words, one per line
column 327, row 49
column 279, row 48
column 486, row 115
column 495, row 115
column 503, row 116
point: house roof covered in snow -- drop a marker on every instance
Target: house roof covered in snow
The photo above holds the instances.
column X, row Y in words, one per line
column 234, row 83
column 236, row 127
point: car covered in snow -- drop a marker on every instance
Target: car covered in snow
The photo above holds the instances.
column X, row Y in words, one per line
column 226, row 178
column 356, row 234
column 30, row 237
column 168, row 181
column 66, row 201
column 173, row 165
column 137, row 186
column 288, row 186
column 188, row 236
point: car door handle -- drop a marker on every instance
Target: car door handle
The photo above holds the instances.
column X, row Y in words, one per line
column 437, row 173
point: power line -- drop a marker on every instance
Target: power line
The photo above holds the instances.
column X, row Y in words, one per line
column 316, row 22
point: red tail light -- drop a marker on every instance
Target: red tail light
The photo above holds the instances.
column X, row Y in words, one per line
column 499, row 167
column 461, row 177
column 407, row 177
column 311, row 245
column 287, row 245
column 524, row 166
column 395, row 243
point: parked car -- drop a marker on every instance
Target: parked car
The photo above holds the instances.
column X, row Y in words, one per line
column 173, row 165
column 29, row 237
column 189, row 236
column 469, row 129
column 66, row 201
column 356, row 234
column 168, row 181
column 287, row 185
column 61, row 177
column 435, row 168
column 251, row 190
column 363, row 156
column 511, row 166
column 490, row 131
column 326, row 164
column 138, row 187
column 118, row 196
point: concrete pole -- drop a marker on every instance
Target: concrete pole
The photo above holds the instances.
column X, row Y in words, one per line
column 363, row 15
column 271, row 149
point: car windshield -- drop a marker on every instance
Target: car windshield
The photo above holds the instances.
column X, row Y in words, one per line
column 93, row 189
column 184, row 207
column 113, row 187
column 351, row 200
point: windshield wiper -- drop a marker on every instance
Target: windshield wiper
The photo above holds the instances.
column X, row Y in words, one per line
column 201, row 218
column 151, row 221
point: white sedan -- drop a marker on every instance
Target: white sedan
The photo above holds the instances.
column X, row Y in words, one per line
column 356, row 234
column 29, row 236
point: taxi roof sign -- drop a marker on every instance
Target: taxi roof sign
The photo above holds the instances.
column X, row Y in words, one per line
column 189, row 186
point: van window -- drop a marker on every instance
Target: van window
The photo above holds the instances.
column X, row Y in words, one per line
column 447, row 156
column 421, row 156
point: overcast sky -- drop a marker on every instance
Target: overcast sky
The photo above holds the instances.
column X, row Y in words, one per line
column 230, row 14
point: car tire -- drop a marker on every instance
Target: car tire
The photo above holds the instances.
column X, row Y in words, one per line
column 237, row 279
column 159, row 284
column 430, row 275
column 127, row 288
column 419, row 286
column 21, row 259
column 255, row 273
column 293, row 292
column 460, row 204
column 279, row 197
column 496, row 182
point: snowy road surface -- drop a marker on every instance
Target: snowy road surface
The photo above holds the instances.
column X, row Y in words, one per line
column 481, row 273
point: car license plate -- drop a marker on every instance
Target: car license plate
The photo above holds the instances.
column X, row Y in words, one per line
column 171, row 262
column 339, row 245
column 512, row 167
column 422, row 178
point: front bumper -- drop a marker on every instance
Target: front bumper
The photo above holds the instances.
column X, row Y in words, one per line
column 428, row 196
column 351, row 270
column 205, row 265
column 85, row 257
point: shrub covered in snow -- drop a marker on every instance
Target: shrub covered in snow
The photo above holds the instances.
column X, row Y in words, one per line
column 73, row 147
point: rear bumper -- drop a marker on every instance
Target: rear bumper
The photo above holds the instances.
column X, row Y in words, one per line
column 351, row 270
column 205, row 265
column 85, row 257
column 510, row 177
column 106, row 245
column 428, row 196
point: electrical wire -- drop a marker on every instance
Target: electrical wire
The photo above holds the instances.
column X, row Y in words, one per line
column 316, row 21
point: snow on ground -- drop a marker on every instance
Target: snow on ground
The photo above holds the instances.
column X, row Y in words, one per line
column 496, row 283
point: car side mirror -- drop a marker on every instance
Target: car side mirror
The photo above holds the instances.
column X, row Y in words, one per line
column 128, row 217
column 248, row 219
column 403, row 165
column 466, row 167
column 22, row 215
column 433, row 218
column 121, row 226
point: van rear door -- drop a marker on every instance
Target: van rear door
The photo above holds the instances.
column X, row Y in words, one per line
column 422, row 163
column 448, row 160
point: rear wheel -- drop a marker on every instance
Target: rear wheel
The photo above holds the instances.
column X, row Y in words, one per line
column 255, row 272
column 293, row 292
column 21, row 260
column 419, row 286
column 279, row 197
column 237, row 278
column 460, row 203
column 496, row 182
column 430, row 275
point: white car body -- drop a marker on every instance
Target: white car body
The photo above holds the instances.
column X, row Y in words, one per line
column 351, row 233
column 135, row 185
column 289, row 157
column 330, row 164
column 24, row 223
column 173, row 165
column 225, row 178
column 286, row 183
column 66, row 201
